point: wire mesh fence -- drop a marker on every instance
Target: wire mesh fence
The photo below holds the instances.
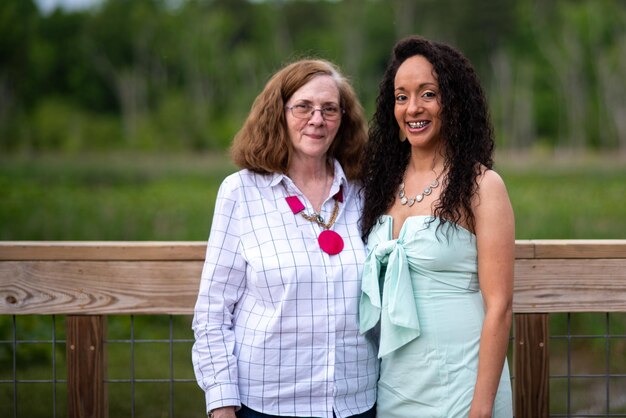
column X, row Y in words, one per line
column 588, row 365
column 149, row 370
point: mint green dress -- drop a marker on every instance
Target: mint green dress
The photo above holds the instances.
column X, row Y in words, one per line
column 422, row 290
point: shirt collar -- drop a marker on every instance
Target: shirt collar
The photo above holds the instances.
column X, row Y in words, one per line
column 340, row 179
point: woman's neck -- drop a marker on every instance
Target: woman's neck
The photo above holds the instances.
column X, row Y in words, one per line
column 421, row 163
column 313, row 179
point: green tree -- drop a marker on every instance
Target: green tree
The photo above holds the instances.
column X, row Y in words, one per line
column 18, row 26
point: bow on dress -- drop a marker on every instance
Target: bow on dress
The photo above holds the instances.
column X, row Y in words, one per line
column 397, row 313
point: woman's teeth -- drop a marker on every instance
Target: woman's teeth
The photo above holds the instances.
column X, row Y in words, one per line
column 419, row 124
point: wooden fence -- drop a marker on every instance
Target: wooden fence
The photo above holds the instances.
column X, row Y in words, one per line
column 86, row 281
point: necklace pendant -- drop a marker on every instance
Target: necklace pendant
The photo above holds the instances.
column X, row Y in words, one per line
column 427, row 191
column 411, row 202
column 319, row 219
column 404, row 200
column 330, row 242
column 419, row 197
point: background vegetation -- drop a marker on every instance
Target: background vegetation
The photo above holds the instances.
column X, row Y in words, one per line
column 171, row 197
column 181, row 74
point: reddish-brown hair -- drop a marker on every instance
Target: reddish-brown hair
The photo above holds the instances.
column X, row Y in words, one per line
column 263, row 145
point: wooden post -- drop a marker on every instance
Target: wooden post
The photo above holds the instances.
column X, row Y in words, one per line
column 86, row 366
column 530, row 355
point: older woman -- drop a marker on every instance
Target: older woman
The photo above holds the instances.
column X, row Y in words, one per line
column 440, row 230
column 276, row 322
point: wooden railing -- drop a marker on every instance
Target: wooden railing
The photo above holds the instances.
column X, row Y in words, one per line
column 86, row 281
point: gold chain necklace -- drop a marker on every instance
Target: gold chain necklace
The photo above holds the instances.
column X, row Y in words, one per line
column 329, row 241
column 318, row 219
column 419, row 197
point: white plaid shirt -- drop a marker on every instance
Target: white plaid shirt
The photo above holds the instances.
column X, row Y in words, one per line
column 276, row 320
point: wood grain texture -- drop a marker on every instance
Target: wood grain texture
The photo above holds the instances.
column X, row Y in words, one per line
column 86, row 367
column 102, row 250
column 98, row 287
column 531, row 366
column 195, row 250
column 570, row 285
column 524, row 249
column 163, row 277
column 586, row 249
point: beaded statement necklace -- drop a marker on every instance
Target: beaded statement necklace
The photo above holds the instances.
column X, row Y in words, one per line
column 419, row 197
column 329, row 241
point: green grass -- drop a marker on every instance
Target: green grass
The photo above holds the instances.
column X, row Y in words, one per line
column 577, row 198
column 109, row 198
column 171, row 198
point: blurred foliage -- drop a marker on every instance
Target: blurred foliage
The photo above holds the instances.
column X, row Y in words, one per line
column 109, row 197
column 118, row 196
column 181, row 75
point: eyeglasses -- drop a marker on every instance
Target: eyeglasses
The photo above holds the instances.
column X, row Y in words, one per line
column 306, row 111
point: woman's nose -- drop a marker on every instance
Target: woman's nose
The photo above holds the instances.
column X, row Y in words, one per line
column 415, row 106
column 317, row 117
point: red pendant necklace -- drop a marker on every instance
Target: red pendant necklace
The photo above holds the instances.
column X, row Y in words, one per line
column 329, row 241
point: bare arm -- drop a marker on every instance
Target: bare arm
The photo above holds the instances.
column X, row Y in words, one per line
column 495, row 232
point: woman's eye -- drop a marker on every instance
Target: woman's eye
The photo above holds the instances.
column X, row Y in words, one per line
column 400, row 98
column 302, row 106
column 429, row 94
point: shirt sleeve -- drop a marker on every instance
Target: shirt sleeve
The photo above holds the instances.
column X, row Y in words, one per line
column 221, row 286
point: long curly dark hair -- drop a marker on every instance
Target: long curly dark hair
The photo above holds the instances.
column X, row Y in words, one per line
column 466, row 129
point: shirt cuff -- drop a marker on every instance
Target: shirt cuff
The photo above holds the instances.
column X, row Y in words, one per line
column 225, row 394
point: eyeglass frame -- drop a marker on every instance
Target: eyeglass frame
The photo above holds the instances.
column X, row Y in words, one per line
column 342, row 111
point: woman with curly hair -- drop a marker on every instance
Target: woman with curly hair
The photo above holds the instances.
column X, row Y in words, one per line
column 438, row 280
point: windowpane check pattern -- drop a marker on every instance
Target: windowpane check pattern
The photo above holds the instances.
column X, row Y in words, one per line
column 276, row 317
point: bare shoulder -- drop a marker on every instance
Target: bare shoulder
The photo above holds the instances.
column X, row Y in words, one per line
column 492, row 199
column 490, row 185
